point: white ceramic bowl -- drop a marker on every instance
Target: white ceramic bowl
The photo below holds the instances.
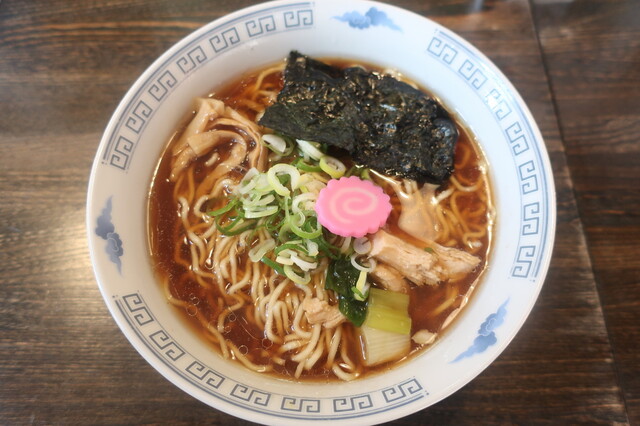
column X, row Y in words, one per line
column 468, row 84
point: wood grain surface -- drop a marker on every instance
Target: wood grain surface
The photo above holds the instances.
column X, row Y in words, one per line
column 64, row 66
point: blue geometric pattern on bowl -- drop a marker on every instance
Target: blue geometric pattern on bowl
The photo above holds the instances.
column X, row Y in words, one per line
column 158, row 340
column 486, row 335
column 372, row 18
column 156, row 89
column 107, row 231
column 526, row 154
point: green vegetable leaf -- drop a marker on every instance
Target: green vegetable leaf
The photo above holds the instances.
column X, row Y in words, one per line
column 353, row 309
column 341, row 277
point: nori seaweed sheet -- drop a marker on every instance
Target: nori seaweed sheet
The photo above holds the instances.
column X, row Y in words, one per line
column 385, row 124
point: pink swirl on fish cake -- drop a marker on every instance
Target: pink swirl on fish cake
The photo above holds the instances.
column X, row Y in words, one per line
column 352, row 207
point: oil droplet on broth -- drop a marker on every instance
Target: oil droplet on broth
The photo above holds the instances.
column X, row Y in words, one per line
column 191, row 309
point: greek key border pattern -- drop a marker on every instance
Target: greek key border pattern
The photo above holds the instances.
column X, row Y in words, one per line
column 158, row 340
column 522, row 142
column 219, row 40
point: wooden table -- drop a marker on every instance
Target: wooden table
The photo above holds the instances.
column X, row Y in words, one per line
column 64, row 66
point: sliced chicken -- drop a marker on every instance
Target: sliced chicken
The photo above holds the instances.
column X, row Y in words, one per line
column 420, row 266
column 455, row 262
column 389, row 279
column 320, row 312
column 415, row 264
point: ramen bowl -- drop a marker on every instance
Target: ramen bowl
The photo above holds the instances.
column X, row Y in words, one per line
column 466, row 82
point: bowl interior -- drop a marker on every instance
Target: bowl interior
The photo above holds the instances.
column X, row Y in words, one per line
column 451, row 69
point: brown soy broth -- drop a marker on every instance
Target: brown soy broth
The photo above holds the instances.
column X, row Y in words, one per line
column 233, row 94
column 165, row 233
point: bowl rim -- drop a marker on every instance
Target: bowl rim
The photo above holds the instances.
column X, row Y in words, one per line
column 511, row 91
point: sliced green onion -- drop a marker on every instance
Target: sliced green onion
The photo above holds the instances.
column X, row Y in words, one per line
column 332, row 166
column 362, row 245
column 251, row 173
column 234, row 228
column 228, row 207
column 302, row 198
column 274, row 142
column 302, row 263
column 262, row 183
column 320, row 178
column 360, row 295
column 259, row 251
column 365, row 174
column 360, row 171
column 305, row 178
column 371, row 267
column 291, row 245
column 284, row 232
column 295, row 277
column 314, row 185
column 284, row 179
column 255, row 200
column 306, row 231
column 345, row 247
column 291, row 145
column 328, row 249
column 274, row 222
column 247, row 184
column 361, row 289
column 281, row 201
column 285, row 257
column 300, row 164
column 304, row 234
column 274, row 182
column 312, row 248
column 257, row 212
column 273, row 265
column 362, row 280
column 310, row 149
column 233, row 221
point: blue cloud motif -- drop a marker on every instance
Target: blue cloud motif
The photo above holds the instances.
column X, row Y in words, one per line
column 378, row 17
column 114, row 249
column 106, row 230
column 372, row 18
column 104, row 226
column 486, row 336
